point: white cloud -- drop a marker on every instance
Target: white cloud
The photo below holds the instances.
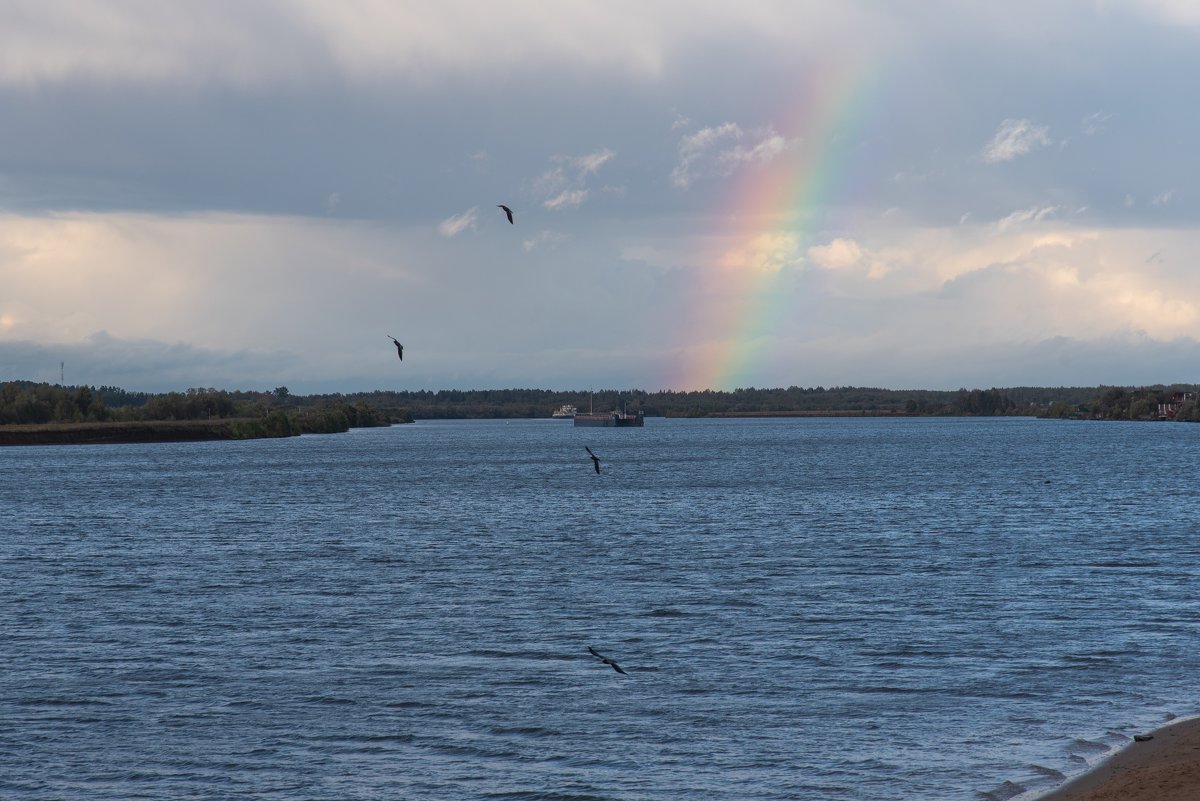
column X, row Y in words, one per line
column 697, row 151
column 561, row 190
column 850, row 259
column 1093, row 124
column 1163, row 199
column 550, row 182
column 840, row 254
column 763, row 151
column 1015, row 138
column 592, row 161
column 763, row 253
column 696, row 145
column 453, row 226
column 1034, row 214
column 566, row 199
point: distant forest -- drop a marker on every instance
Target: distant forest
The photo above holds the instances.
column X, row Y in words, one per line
column 275, row 413
column 23, row 402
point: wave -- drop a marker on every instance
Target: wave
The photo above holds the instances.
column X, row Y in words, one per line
column 1004, row 792
column 527, row 731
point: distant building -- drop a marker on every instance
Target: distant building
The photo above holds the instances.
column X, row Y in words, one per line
column 1167, row 411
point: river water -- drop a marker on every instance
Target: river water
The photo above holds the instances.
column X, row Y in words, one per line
column 826, row 610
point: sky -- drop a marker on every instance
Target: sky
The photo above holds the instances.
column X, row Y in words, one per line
column 246, row 194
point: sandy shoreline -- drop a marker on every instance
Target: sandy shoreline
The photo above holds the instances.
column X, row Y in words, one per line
column 1165, row 768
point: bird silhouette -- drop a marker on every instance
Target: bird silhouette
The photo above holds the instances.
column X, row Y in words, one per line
column 399, row 347
column 507, row 211
column 610, row 662
column 595, row 458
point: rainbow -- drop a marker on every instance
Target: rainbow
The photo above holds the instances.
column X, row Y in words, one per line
column 776, row 212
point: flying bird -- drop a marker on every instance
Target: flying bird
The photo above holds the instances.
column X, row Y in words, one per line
column 610, row 662
column 595, row 458
column 399, row 347
column 507, row 211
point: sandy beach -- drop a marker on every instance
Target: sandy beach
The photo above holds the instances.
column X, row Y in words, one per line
column 1165, row 768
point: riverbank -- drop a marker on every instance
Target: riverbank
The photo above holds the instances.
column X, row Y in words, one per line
column 128, row 432
column 1163, row 768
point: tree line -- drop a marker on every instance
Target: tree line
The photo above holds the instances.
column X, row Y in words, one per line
column 1178, row 402
column 278, row 412
column 751, row 401
column 27, row 402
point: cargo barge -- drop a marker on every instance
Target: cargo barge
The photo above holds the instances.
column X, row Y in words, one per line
column 613, row 419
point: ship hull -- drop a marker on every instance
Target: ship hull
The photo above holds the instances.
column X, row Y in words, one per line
column 609, row 420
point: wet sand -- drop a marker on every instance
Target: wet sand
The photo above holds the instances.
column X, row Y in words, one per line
column 1166, row 768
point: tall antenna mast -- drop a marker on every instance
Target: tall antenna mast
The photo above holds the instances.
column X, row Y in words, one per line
column 62, row 373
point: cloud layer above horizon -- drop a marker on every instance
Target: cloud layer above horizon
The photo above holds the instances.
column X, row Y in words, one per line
column 254, row 195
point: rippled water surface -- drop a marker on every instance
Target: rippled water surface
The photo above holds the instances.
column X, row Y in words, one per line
column 827, row 610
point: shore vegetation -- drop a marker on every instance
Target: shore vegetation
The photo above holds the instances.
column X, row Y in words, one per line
column 40, row 413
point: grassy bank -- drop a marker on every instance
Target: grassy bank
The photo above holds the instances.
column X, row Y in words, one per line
column 142, row 431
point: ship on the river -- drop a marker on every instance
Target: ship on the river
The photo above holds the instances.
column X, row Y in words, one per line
column 614, row 419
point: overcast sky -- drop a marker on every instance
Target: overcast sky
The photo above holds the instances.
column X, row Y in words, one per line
column 245, row 194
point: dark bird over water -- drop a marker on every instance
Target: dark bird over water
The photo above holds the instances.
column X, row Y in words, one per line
column 595, row 458
column 507, row 211
column 399, row 347
column 610, row 662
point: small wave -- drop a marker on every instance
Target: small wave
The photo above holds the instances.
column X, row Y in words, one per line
column 491, row 653
column 410, row 705
column 329, row 699
column 1081, row 747
column 63, row 701
column 245, row 703
column 374, row 738
column 528, row 731
column 904, row 651
column 1096, row 657
column 664, row 613
column 468, row 751
column 157, row 675
column 1049, row 773
column 887, row 690
column 1004, row 792
column 705, row 690
column 81, row 719
column 542, row 795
